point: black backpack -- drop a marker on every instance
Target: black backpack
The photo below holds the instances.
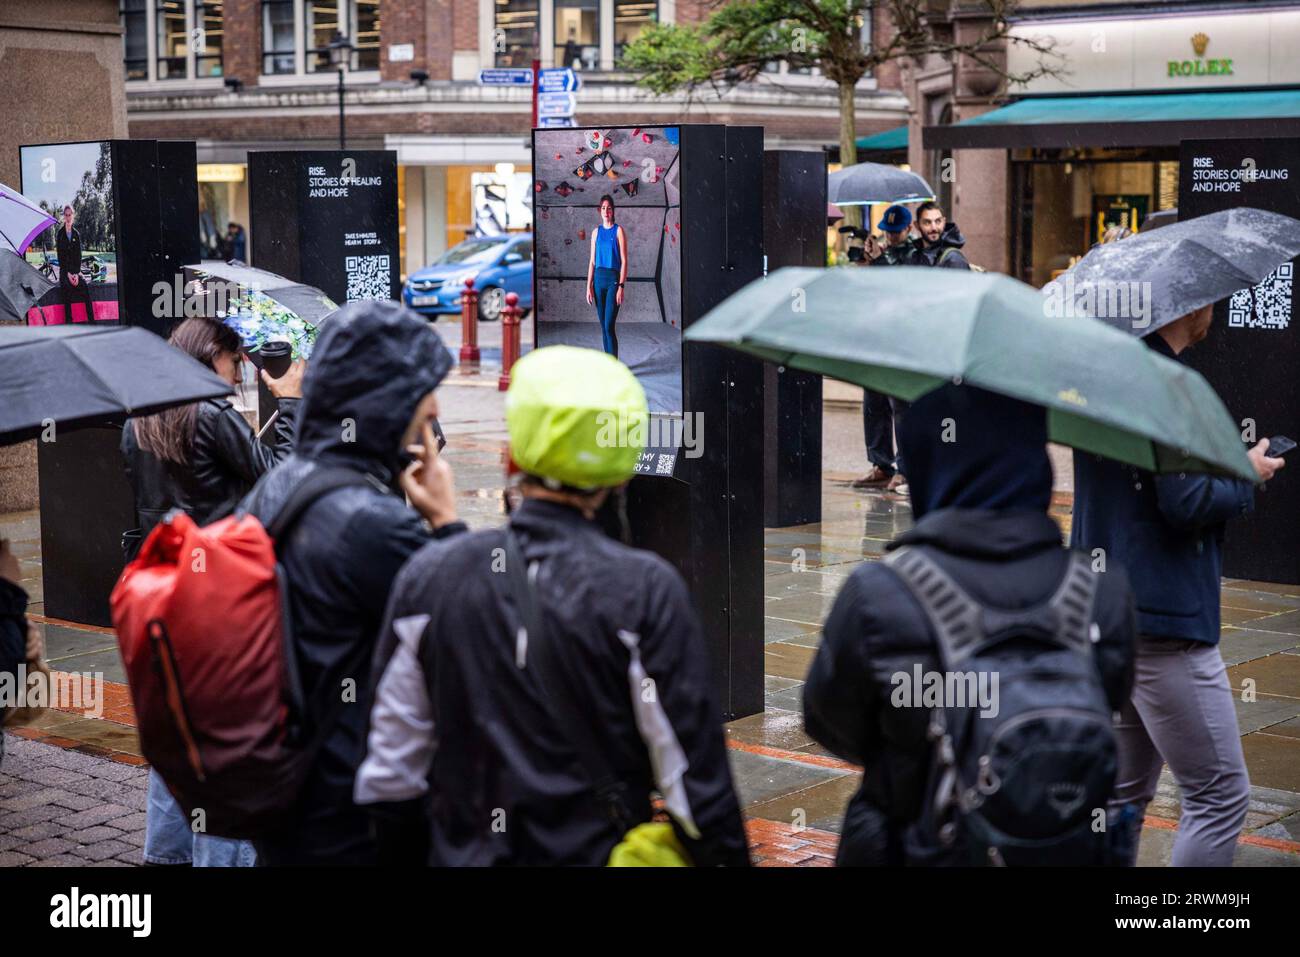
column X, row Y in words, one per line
column 1028, row 784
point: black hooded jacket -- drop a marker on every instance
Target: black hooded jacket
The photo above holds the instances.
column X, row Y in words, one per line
column 946, row 253
column 463, row 725
column 372, row 365
column 980, row 500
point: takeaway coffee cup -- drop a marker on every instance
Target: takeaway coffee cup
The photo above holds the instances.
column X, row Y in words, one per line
column 276, row 358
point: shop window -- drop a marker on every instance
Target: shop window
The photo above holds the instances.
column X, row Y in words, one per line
column 577, row 34
column 631, row 18
column 208, row 17
column 515, row 33
column 277, row 36
column 135, row 38
column 172, row 40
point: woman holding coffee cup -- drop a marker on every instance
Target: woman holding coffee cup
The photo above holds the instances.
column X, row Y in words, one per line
column 202, row 458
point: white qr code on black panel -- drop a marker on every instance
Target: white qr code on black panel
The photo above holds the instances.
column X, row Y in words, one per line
column 1266, row 305
column 368, row 278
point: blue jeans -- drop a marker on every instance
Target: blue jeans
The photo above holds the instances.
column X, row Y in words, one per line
column 605, row 286
column 169, row 839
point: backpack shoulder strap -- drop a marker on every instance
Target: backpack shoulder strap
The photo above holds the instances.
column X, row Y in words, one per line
column 1073, row 603
column 317, row 483
column 954, row 615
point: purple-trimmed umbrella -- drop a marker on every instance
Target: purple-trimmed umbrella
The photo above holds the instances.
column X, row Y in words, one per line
column 21, row 220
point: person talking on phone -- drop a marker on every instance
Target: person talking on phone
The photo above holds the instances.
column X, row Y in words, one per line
column 1167, row 533
column 368, row 408
column 607, row 272
column 201, row 458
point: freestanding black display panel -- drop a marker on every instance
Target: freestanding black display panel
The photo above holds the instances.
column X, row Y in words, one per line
column 1253, row 347
column 135, row 209
column 794, row 234
column 690, row 199
column 327, row 218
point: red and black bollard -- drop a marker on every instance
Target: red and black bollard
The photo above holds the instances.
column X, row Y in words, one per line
column 510, row 317
column 469, row 323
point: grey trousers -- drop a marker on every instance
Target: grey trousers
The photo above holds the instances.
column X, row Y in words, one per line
column 1181, row 713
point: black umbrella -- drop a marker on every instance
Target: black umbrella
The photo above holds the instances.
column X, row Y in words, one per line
column 1147, row 281
column 21, row 287
column 69, row 376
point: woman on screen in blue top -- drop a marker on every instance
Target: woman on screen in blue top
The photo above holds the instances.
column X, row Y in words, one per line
column 607, row 272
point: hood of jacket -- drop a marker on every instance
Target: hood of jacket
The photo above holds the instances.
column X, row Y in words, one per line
column 373, row 363
column 965, row 447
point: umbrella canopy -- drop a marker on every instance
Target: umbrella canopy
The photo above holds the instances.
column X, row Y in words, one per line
column 262, row 305
column 73, row 376
column 21, row 220
column 21, row 287
column 876, row 183
column 905, row 331
column 1147, row 281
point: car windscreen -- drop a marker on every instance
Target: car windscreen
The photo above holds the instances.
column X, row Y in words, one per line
column 472, row 251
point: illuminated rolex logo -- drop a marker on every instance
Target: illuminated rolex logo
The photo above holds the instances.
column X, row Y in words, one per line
column 1199, row 66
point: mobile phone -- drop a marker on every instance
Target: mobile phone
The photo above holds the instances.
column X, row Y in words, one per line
column 437, row 431
column 1279, row 445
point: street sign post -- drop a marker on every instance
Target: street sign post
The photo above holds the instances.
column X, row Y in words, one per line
column 559, row 80
column 556, row 104
column 505, row 77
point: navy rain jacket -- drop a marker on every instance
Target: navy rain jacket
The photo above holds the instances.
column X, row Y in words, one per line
column 1167, row 530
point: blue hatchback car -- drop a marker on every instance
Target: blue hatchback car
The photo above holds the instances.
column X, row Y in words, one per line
column 497, row 264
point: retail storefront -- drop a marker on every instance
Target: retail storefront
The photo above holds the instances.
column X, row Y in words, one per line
column 1097, row 146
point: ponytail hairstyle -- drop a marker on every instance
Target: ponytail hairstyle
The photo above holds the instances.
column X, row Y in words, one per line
column 169, row 434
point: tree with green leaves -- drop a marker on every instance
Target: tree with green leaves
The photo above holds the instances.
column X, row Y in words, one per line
column 741, row 38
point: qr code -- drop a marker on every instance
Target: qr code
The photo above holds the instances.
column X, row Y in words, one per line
column 368, row 278
column 1266, row 305
column 665, row 465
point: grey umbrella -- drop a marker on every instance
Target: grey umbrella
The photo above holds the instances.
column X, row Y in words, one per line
column 876, row 183
column 1147, row 281
column 21, row 287
column 69, row 376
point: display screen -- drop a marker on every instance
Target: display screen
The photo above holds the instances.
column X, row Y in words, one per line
column 580, row 259
column 73, row 183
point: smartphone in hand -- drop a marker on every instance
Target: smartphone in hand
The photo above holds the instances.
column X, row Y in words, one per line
column 1278, row 446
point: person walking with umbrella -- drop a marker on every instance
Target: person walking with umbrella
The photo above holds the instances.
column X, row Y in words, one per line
column 1168, row 531
column 607, row 272
column 981, row 505
column 72, row 284
column 201, row 458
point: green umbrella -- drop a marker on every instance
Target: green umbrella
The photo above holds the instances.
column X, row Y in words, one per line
column 905, row 330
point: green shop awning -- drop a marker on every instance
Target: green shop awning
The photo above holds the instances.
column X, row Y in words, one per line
column 888, row 141
column 1161, row 119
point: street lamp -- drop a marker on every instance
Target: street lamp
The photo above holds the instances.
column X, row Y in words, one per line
column 341, row 58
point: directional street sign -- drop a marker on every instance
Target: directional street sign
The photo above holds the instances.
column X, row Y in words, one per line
column 552, row 122
column 505, row 77
column 558, row 80
column 556, row 104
